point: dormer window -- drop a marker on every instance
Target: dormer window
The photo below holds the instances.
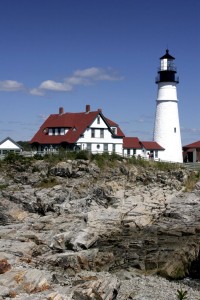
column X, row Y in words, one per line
column 114, row 130
column 45, row 130
column 98, row 120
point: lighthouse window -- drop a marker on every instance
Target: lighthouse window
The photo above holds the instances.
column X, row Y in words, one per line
column 174, row 129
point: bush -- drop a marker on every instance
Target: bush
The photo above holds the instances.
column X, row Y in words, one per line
column 100, row 159
column 12, row 157
column 82, row 155
column 38, row 157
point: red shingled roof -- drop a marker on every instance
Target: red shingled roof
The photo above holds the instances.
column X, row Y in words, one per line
column 131, row 143
column 76, row 123
column 151, row 145
column 193, row 145
column 113, row 124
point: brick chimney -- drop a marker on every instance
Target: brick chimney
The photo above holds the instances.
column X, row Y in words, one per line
column 61, row 110
column 87, row 108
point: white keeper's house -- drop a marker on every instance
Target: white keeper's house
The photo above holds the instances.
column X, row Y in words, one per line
column 88, row 130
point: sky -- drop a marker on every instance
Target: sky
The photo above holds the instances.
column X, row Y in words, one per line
column 69, row 53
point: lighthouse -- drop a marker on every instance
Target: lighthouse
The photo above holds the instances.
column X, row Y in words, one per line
column 167, row 128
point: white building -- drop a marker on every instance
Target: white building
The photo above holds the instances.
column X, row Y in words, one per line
column 9, row 145
column 166, row 127
column 148, row 150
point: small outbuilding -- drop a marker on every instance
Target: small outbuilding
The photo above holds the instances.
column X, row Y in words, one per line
column 9, row 145
column 151, row 150
column 191, row 152
column 131, row 146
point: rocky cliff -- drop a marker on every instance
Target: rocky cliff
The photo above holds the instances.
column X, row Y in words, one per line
column 72, row 230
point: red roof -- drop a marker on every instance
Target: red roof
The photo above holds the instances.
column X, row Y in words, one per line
column 76, row 123
column 193, row 145
column 131, row 143
column 151, row 146
column 113, row 124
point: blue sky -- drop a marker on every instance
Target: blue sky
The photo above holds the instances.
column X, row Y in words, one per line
column 104, row 53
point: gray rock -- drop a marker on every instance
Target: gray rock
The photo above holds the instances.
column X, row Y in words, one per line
column 64, row 226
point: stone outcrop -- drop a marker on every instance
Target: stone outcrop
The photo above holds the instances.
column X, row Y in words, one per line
column 70, row 230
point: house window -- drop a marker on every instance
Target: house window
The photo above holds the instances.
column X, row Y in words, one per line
column 134, row 151
column 45, row 130
column 105, row 147
column 88, row 147
column 113, row 148
column 156, row 153
column 101, row 133
column 114, row 130
column 59, row 131
column 53, row 131
column 174, row 129
column 98, row 146
column 98, row 120
column 92, row 133
column 128, row 152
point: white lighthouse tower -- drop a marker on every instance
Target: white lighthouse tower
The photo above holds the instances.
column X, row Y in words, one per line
column 167, row 128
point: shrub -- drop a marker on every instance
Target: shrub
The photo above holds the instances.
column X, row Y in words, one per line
column 38, row 157
column 115, row 157
column 12, row 157
column 83, row 154
column 100, row 159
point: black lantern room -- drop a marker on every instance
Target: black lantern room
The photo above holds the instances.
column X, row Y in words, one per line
column 167, row 69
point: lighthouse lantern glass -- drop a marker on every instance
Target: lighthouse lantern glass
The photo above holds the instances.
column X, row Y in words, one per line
column 167, row 64
column 163, row 65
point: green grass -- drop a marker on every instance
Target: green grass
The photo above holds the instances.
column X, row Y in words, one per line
column 65, row 155
column 166, row 166
column 191, row 181
column 105, row 159
column 162, row 166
